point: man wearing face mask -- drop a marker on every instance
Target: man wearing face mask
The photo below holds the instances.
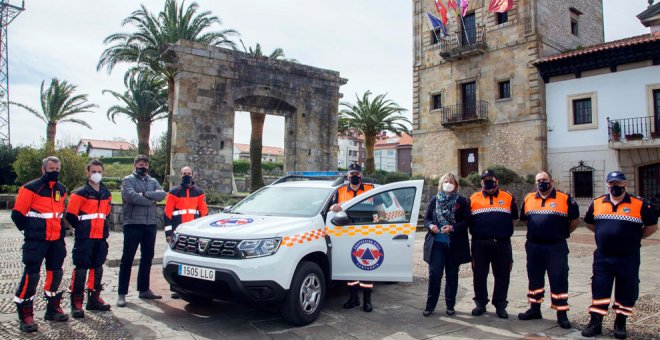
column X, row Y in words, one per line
column 140, row 193
column 493, row 212
column 88, row 210
column 620, row 221
column 551, row 217
column 184, row 203
column 354, row 188
column 38, row 214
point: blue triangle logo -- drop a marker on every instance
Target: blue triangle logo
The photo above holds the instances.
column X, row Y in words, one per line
column 367, row 255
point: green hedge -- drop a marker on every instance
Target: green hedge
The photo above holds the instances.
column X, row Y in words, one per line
column 242, row 167
column 504, row 175
column 28, row 166
column 120, row 160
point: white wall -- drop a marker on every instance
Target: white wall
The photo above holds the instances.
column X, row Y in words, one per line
column 621, row 94
column 97, row 153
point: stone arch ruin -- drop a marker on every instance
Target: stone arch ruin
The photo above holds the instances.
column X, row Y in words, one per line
column 213, row 83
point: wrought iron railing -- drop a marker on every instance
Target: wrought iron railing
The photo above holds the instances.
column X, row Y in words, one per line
column 464, row 112
column 463, row 42
column 630, row 129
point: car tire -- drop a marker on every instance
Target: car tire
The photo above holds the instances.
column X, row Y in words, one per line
column 306, row 295
column 195, row 299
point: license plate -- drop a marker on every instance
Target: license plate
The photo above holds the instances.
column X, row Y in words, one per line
column 197, row 272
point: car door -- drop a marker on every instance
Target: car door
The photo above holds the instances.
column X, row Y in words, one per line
column 376, row 242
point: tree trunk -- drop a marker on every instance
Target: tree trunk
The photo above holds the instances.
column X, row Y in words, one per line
column 51, row 130
column 143, row 132
column 369, row 144
column 170, row 118
column 256, row 177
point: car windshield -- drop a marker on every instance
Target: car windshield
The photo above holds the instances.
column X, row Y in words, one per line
column 284, row 201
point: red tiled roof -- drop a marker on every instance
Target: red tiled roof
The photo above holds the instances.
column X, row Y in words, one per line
column 640, row 39
column 265, row 150
column 391, row 142
column 107, row 144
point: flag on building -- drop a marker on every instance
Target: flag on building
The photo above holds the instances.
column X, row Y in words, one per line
column 500, row 6
column 453, row 5
column 442, row 10
column 464, row 6
column 435, row 22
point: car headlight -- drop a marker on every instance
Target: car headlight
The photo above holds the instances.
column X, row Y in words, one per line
column 258, row 248
column 175, row 239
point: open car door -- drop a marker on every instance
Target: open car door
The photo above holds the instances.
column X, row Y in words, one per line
column 374, row 240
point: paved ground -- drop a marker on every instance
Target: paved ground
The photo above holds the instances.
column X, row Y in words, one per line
column 397, row 314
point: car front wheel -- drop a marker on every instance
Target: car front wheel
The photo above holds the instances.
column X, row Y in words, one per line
column 306, row 295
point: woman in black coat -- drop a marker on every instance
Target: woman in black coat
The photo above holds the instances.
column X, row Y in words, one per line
column 446, row 245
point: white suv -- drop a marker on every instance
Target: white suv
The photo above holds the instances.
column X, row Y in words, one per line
column 282, row 245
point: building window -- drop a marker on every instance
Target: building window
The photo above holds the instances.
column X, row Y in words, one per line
column 469, row 32
column 435, row 35
column 574, row 27
column 582, row 178
column 505, row 89
column 436, row 101
column 501, row 18
column 582, row 111
column 575, row 19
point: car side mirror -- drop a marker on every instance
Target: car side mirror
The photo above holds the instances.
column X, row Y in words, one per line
column 341, row 218
column 226, row 209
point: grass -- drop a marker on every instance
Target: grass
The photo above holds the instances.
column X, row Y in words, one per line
column 117, row 170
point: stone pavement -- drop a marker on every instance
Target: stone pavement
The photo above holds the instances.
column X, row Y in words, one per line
column 397, row 307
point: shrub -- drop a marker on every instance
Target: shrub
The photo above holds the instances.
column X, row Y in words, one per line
column 112, row 183
column 157, row 161
column 7, row 158
column 270, row 166
column 220, row 199
column 241, row 167
column 28, row 166
column 118, row 160
column 9, row 189
column 396, row 176
column 504, row 175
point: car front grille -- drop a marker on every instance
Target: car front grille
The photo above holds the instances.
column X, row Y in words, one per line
column 207, row 247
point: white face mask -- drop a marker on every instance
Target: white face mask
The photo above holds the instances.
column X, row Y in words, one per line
column 96, row 178
column 448, row 187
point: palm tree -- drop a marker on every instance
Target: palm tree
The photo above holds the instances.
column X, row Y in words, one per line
column 144, row 102
column 145, row 46
column 370, row 117
column 58, row 105
column 257, row 122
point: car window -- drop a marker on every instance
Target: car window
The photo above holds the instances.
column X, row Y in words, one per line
column 394, row 206
column 284, row 201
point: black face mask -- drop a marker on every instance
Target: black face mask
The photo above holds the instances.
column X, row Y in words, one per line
column 617, row 191
column 52, row 176
column 543, row 186
column 141, row 171
column 490, row 184
column 355, row 180
column 186, row 180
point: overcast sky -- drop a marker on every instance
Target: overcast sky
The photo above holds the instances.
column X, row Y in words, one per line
column 368, row 41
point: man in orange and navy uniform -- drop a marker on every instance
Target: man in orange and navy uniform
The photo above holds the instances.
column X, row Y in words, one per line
column 88, row 210
column 183, row 203
column 354, row 188
column 38, row 214
column 620, row 221
column 551, row 217
column 493, row 212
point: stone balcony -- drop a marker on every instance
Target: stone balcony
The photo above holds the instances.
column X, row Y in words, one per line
column 633, row 133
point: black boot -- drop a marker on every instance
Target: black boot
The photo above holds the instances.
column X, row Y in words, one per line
column 534, row 312
column 595, row 326
column 562, row 319
column 353, row 300
column 366, row 293
column 94, row 301
column 620, row 327
column 53, row 310
column 26, row 316
column 76, row 305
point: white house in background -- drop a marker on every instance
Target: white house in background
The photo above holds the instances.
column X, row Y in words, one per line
column 96, row 148
column 268, row 153
column 351, row 148
column 590, row 94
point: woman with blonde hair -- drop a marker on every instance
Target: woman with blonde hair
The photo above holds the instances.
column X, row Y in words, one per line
column 446, row 244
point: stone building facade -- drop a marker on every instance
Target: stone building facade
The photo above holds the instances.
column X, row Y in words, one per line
column 213, row 83
column 477, row 99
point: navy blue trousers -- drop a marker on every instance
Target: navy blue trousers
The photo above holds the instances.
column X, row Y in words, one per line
column 551, row 258
column 442, row 262
column 608, row 269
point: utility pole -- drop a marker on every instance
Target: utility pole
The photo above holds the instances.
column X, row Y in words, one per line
column 8, row 13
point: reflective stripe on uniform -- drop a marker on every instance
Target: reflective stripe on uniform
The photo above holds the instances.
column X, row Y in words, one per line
column 366, row 285
column 600, row 302
column 535, row 300
column 559, row 296
column 537, row 291
column 91, row 216
column 353, row 283
column 560, row 308
column 185, row 211
column 43, row 215
column 598, row 310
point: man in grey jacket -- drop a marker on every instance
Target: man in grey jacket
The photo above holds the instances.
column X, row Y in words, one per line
column 139, row 192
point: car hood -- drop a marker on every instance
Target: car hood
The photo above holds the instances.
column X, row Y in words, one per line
column 234, row 226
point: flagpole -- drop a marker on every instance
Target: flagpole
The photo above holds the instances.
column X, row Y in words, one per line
column 464, row 31
column 432, row 30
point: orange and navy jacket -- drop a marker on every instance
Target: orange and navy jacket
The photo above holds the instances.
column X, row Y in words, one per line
column 492, row 216
column 619, row 227
column 183, row 204
column 345, row 193
column 88, row 212
column 39, row 210
column 548, row 219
